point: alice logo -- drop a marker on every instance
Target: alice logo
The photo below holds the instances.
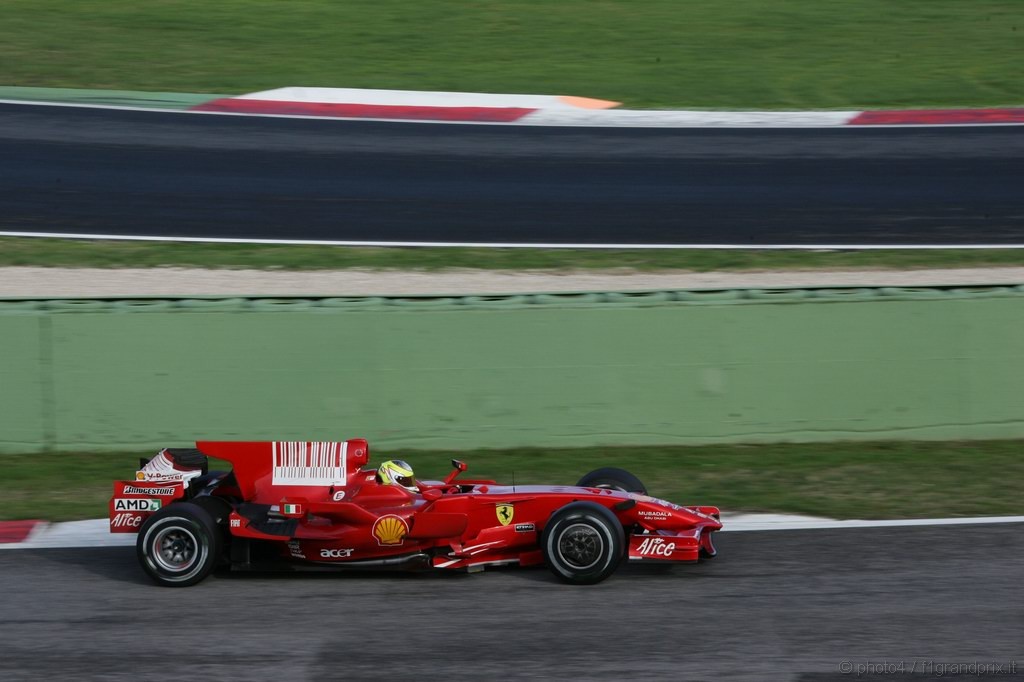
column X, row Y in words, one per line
column 390, row 530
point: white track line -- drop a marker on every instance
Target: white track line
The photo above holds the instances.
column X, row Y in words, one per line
column 511, row 245
column 90, row 533
column 95, row 532
column 755, row 522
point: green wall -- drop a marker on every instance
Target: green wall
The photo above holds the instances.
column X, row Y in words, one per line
column 519, row 371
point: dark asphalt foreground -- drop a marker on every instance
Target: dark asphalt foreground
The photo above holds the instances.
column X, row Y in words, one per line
column 783, row 605
column 154, row 173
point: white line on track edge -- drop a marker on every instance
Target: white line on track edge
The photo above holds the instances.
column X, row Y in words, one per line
column 753, row 523
column 509, row 245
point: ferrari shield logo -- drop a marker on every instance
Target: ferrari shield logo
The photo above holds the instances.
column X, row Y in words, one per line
column 505, row 513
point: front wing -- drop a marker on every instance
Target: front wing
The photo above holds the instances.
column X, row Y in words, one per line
column 681, row 546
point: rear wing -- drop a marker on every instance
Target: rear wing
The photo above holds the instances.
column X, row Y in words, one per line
column 133, row 503
column 159, row 481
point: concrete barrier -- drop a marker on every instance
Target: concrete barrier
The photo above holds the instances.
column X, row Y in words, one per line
column 539, row 370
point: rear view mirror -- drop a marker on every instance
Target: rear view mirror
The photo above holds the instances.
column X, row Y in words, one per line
column 458, row 467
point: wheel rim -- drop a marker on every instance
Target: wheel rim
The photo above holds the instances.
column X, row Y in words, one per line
column 580, row 546
column 175, row 549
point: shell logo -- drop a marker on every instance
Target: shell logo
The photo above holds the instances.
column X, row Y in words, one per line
column 390, row 530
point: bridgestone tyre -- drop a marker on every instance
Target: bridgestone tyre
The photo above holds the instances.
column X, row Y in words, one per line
column 179, row 545
column 583, row 543
column 615, row 479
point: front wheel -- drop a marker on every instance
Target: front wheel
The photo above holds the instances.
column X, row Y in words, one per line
column 583, row 543
column 613, row 478
column 179, row 545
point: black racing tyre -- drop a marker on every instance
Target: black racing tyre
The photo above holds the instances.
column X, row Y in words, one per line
column 583, row 543
column 616, row 479
column 179, row 545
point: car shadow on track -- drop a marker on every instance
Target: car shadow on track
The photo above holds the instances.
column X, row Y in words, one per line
column 534, row 574
column 120, row 564
column 111, row 563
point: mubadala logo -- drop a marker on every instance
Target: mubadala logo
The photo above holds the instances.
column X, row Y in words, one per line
column 125, row 504
column 335, row 553
column 654, row 514
column 132, row 490
column 524, row 527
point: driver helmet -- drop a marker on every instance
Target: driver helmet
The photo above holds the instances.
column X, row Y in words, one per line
column 397, row 472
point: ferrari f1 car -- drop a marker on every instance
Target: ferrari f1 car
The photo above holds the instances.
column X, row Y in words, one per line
column 321, row 506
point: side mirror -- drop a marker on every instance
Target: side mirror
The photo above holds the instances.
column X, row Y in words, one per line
column 459, row 467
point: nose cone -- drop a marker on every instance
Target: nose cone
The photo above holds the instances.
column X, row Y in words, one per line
column 696, row 517
column 659, row 514
column 712, row 523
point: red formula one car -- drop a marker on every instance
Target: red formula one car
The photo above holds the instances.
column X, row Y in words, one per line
column 321, row 506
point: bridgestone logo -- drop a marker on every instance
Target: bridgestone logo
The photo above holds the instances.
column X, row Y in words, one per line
column 309, row 463
column 132, row 490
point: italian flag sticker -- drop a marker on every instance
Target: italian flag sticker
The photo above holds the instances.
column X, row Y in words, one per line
column 291, row 509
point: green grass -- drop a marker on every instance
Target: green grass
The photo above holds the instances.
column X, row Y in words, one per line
column 838, row 480
column 125, row 254
column 649, row 53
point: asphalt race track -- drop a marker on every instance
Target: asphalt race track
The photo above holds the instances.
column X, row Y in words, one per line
column 94, row 171
column 781, row 605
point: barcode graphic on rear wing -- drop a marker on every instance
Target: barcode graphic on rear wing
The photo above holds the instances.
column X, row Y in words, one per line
column 300, row 463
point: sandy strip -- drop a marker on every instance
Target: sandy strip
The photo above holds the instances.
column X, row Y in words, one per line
column 95, row 282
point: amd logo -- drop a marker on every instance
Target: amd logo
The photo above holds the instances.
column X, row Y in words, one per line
column 128, row 504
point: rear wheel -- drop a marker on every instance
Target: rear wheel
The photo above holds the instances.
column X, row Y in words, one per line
column 179, row 545
column 583, row 543
column 615, row 479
